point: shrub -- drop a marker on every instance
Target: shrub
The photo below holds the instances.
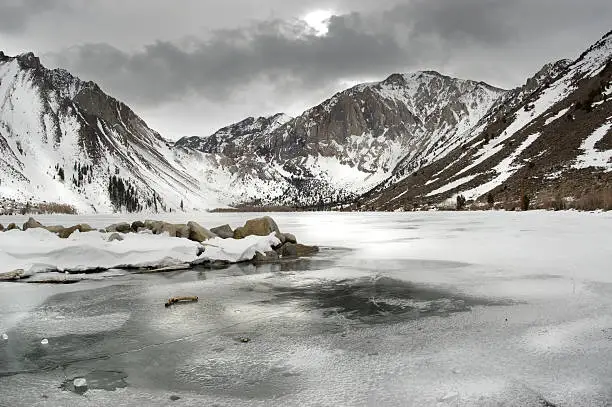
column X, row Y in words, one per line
column 490, row 199
column 525, row 202
column 460, row 202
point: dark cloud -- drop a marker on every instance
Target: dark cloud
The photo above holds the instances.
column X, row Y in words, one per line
column 164, row 52
column 231, row 59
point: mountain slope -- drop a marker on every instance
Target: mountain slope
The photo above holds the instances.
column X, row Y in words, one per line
column 63, row 140
column 549, row 138
column 354, row 140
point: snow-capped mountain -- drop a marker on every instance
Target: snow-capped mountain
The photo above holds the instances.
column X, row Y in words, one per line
column 410, row 140
column 550, row 138
column 63, row 140
column 354, row 140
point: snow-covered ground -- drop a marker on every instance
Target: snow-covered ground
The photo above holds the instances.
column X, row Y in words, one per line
column 37, row 251
column 427, row 309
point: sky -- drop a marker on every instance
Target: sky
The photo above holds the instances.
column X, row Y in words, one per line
column 189, row 67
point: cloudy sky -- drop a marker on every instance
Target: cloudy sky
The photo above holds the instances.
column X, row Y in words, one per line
column 189, row 67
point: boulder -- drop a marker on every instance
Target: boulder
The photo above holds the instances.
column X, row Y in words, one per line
column 183, row 231
column 198, row 233
column 1, row 227
column 272, row 255
column 32, row 224
column 224, row 231
column 122, row 227
column 137, row 225
column 115, row 237
column 289, row 250
column 304, row 250
column 259, row 227
column 266, row 257
column 84, row 228
column 66, row 232
column 297, row 250
column 290, row 238
column 54, row 229
column 166, row 227
column 12, row 226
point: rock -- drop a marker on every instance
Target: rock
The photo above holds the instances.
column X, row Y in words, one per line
column 11, row 275
column 183, row 231
column 54, row 229
column 122, row 227
column 168, row 228
column 4, row 337
column 297, row 250
column 115, row 236
column 265, row 257
column 198, row 233
column 84, row 228
column 12, row 226
column 304, row 250
column 80, row 385
column 137, row 225
column 1, row 228
column 66, row 232
column 174, row 398
column 259, row 227
column 289, row 250
column 290, row 238
column 144, row 231
column 32, row 224
column 224, row 231
column 272, row 255
column 244, row 339
column 45, row 341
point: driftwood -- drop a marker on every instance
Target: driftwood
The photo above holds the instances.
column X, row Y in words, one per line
column 174, row 300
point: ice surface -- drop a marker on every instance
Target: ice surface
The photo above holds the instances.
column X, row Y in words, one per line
column 425, row 309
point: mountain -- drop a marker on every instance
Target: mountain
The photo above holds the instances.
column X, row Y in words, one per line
column 412, row 140
column 549, row 140
column 63, row 140
column 354, row 140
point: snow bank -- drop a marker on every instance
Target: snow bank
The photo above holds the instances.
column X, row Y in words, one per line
column 37, row 250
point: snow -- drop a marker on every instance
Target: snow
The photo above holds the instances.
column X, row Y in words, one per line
column 452, row 185
column 555, row 117
column 591, row 157
column 37, row 251
column 504, row 170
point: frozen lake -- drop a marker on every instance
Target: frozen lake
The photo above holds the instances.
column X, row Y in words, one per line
column 422, row 309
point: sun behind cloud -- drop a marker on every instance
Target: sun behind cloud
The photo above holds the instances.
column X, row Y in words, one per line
column 318, row 20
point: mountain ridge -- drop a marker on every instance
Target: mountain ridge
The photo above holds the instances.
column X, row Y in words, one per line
column 411, row 140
